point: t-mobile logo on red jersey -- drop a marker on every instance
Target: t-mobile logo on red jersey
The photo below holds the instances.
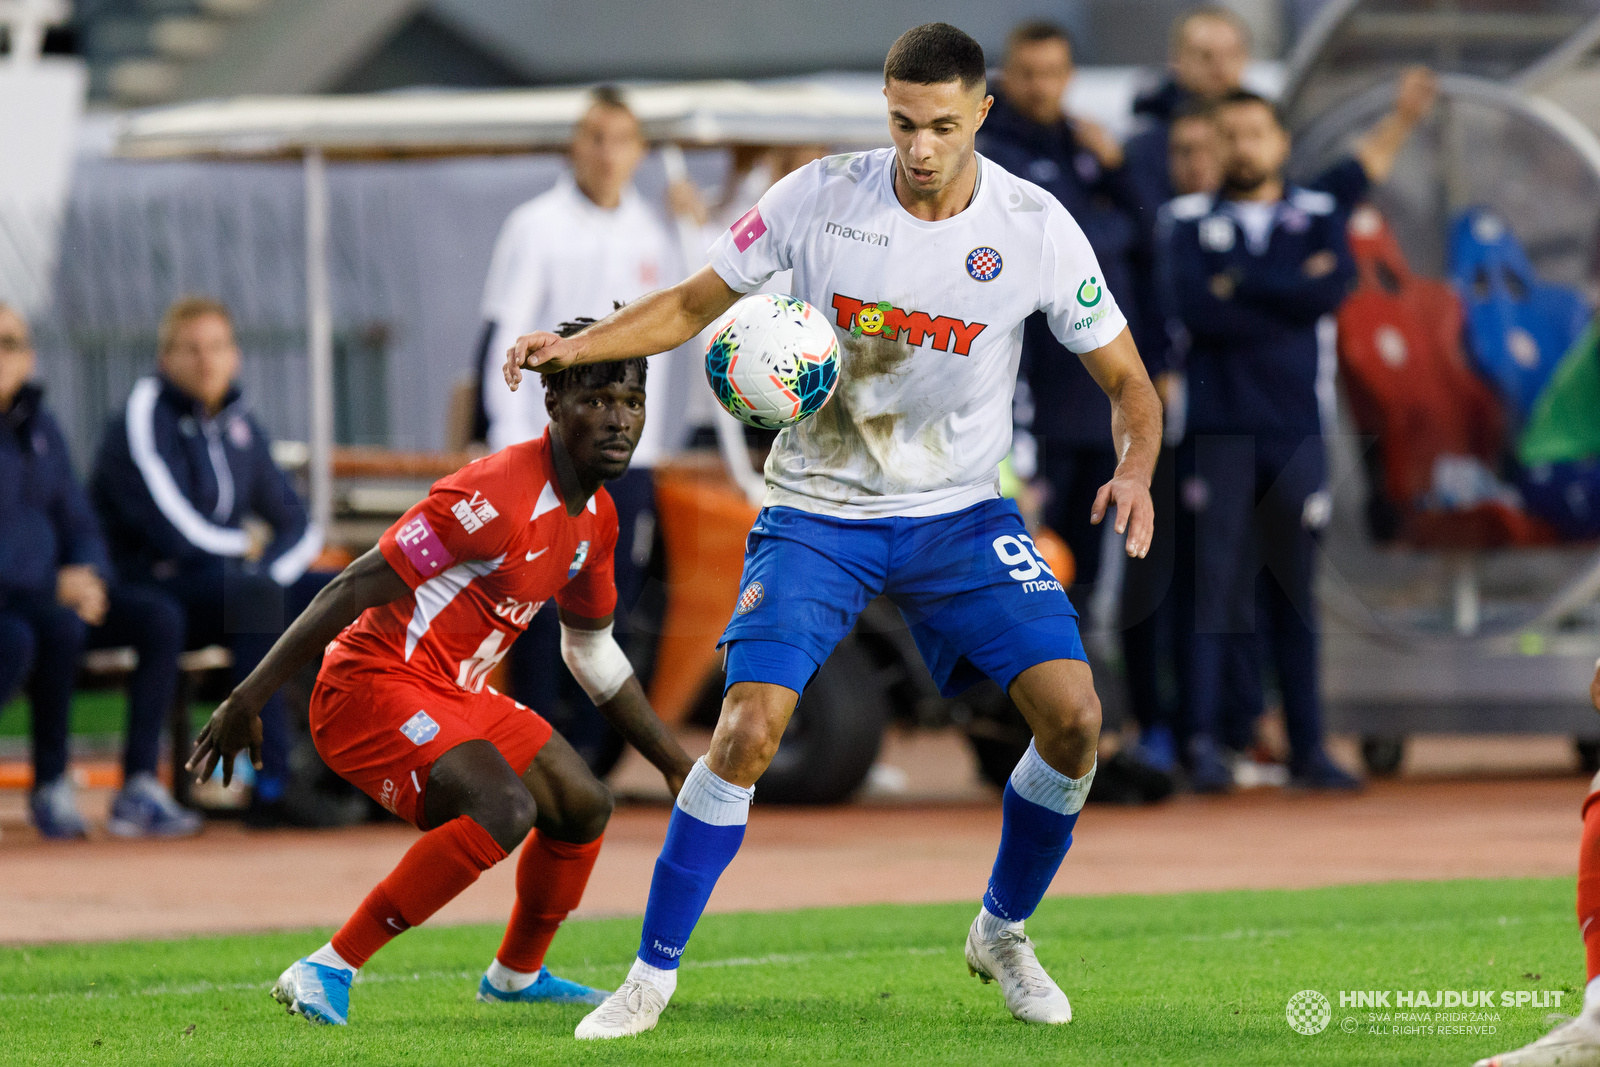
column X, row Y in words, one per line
column 883, row 319
column 422, row 547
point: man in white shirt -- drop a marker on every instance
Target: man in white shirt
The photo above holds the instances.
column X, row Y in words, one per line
column 568, row 254
column 572, row 252
column 927, row 258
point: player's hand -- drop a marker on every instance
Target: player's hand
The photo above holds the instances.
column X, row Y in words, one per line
column 541, row 351
column 1136, row 513
column 234, row 727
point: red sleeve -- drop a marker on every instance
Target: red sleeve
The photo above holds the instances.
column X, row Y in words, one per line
column 456, row 522
column 593, row 593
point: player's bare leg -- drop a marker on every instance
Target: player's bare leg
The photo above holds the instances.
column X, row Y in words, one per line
column 707, row 827
column 1041, row 805
column 478, row 811
column 1575, row 1043
column 557, row 858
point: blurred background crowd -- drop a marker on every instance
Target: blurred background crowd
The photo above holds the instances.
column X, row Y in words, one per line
column 1364, row 291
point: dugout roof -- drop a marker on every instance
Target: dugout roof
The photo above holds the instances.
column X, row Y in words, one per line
column 449, row 123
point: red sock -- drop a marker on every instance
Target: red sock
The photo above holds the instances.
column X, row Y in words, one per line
column 442, row 863
column 1589, row 882
column 551, row 876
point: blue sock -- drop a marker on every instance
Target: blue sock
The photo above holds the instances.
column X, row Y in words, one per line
column 1039, row 810
column 706, row 830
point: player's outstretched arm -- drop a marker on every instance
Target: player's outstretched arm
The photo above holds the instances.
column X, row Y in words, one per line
column 656, row 322
column 1136, row 432
column 236, row 724
column 594, row 658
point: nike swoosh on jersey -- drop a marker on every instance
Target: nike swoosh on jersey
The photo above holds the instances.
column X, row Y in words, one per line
column 535, row 555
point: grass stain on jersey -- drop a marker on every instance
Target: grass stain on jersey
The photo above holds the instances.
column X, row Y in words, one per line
column 869, row 357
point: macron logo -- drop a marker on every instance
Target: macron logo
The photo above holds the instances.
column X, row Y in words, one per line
column 748, row 229
column 850, row 233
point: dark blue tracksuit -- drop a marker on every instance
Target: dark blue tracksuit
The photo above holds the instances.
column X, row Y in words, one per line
column 173, row 488
column 1072, row 416
column 46, row 523
column 1254, row 452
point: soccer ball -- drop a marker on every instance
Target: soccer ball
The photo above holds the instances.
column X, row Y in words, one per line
column 772, row 361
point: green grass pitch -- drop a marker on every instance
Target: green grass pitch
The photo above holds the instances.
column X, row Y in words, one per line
column 1201, row 978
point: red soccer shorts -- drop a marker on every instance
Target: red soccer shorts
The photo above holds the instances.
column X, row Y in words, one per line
column 381, row 730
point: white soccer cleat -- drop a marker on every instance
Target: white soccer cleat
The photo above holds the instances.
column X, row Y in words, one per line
column 1031, row 994
column 632, row 1009
column 1575, row 1043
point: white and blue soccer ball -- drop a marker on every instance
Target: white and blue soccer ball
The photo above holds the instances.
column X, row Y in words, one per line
column 772, row 360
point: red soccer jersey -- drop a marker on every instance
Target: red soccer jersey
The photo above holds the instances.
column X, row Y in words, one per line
column 486, row 548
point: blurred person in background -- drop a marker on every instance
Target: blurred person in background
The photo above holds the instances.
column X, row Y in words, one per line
column 1029, row 134
column 1208, row 50
column 194, row 506
column 1196, row 157
column 572, row 254
column 57, row 596
column 1247, row 272
column 752, row 171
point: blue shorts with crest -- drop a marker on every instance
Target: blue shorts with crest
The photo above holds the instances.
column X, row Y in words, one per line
column 978, row 596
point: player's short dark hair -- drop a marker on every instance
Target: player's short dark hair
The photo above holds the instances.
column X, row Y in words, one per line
column 1035, row 31
column 1236, row 97
column 592, row 375
column 933, row 53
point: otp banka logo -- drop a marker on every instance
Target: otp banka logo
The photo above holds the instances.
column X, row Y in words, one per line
column 671, row 953
column 517, row 612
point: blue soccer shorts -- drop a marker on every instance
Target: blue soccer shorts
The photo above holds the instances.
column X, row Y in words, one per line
column 978, row 596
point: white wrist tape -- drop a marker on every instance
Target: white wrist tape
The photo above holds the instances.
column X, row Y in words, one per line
column 596, row 661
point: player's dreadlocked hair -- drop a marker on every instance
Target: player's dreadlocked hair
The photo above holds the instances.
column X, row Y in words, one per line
column 932, row 53
column 592, row 375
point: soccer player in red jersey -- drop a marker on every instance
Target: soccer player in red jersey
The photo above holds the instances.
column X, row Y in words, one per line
column 1576, row 1042
column 412, row 630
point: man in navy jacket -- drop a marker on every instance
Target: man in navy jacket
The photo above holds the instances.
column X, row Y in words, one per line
column 1248, row 272
column 54, row 576
column 177, row 476
column 1079, row 164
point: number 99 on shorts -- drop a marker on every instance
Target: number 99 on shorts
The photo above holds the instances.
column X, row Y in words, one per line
column 1019, row 553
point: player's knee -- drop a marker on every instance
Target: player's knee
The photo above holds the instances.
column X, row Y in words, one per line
column 747, row 736
column 513, row 815
column 588, row 814
column 505, row 809
column 1073, row 717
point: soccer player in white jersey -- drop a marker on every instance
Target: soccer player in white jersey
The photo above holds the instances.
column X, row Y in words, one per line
column 928, row 258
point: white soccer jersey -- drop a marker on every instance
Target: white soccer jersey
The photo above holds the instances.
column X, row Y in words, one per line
column 558, row 257
column 929, row 317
